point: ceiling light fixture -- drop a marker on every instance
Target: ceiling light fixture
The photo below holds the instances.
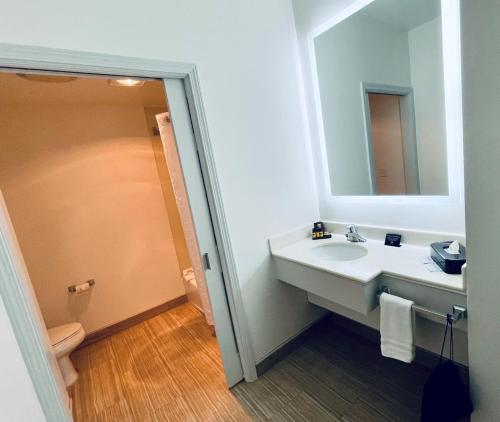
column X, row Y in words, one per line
column 126, row 82
column 46, row 78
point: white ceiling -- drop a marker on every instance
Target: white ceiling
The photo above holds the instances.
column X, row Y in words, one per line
column 15, row 90
column 403, row 14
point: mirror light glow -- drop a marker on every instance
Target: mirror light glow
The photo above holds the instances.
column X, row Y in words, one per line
column 453, row 112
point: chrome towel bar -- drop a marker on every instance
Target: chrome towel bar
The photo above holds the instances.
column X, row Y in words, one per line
column 457, row 312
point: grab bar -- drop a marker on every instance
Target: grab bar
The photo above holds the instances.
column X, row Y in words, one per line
column 458, row 312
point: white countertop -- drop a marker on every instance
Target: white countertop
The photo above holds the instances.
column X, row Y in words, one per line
column 403, row 262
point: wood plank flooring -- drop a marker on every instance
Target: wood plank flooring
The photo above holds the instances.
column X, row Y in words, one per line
column 169, row 369
column 165, row 369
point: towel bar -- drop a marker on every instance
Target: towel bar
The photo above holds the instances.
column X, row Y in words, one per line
column 458, row 312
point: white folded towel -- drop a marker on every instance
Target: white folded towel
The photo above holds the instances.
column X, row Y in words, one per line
column 396, row 328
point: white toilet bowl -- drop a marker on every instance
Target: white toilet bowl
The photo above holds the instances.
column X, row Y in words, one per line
column 64, row 339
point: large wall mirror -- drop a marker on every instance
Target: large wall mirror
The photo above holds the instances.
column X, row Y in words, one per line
column 381, row 91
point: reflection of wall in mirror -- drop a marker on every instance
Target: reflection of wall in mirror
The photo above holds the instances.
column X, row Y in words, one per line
column 360, row 49
column 363, row 49
column 427, row 80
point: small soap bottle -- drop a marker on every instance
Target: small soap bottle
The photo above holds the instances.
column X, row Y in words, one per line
column 319, row 230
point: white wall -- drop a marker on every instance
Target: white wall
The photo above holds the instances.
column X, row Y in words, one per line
column 360, row 49
column 418, row 214
column 428, row 334
column 18, row 401
column 426, row 63
column 246, row 57
column 481, row 76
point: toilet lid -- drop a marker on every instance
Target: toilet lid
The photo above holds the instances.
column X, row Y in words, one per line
column 63, row 332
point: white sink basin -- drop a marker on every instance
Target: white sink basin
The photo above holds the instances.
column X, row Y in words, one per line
column 339, row 252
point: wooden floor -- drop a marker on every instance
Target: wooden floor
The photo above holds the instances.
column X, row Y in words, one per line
column 165, row 369
column 168, row 369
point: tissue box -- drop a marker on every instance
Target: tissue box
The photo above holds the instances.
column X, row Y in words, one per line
column 449, row 263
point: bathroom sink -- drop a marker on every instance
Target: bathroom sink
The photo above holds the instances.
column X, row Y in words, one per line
column 339, row 252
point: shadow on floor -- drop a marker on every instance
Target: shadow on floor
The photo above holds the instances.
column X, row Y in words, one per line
column 335, row 375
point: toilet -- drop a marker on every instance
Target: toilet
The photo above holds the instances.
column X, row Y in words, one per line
column 64, row 339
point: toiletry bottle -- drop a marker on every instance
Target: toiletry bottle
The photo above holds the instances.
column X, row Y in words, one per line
column 320, row 229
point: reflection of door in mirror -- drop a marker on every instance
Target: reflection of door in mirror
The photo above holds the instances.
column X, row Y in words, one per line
column 387, row 144
column 391, row 138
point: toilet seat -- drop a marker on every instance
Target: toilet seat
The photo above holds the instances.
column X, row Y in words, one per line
column 66, row 337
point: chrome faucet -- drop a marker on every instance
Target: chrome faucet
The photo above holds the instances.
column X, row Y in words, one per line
column 352, row 234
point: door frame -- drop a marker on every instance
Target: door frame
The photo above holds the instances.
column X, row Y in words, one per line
column 26, row 58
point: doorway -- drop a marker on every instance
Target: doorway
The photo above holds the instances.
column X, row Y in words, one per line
column 391, row 139
column 183, row 96
column 387, row 140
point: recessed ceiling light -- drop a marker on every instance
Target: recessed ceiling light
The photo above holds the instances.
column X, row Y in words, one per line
column 126, row 82
column 46, row 78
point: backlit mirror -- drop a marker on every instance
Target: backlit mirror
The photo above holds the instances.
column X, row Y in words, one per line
column 380, row 85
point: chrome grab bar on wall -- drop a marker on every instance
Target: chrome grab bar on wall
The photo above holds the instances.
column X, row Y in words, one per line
column 458, row 312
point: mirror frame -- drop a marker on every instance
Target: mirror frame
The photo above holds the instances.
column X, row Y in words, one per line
column 450, row 15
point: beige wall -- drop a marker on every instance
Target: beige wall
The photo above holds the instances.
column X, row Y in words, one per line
column 83, row 192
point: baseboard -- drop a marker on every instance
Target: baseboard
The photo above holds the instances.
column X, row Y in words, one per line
column 287, row 347
column 133, row 320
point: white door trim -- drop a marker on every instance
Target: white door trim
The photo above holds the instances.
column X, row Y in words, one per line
column 26, row 58
column 26, row 325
